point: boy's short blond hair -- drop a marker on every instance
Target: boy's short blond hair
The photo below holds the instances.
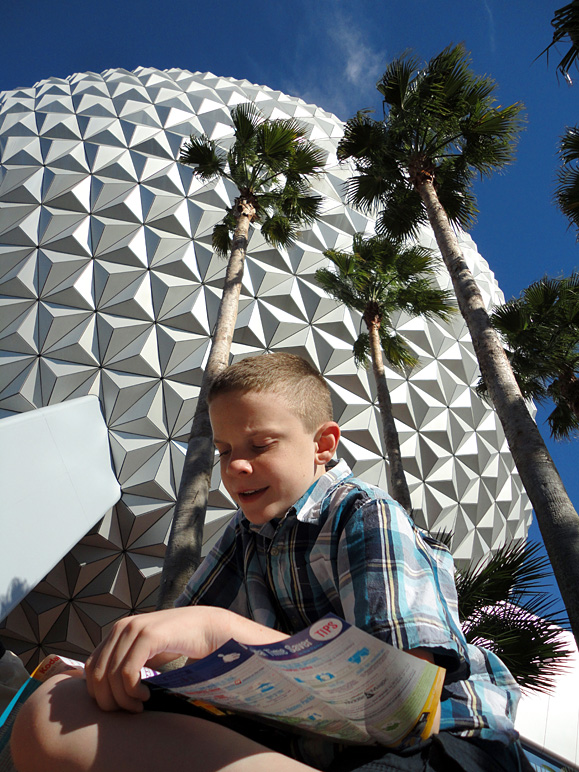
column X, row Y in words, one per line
column 294, row 378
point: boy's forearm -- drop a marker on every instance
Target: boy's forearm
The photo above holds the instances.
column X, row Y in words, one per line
column 227, row 624
column 221, row 626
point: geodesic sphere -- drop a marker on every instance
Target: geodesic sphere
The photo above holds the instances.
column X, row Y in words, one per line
column 109, row 286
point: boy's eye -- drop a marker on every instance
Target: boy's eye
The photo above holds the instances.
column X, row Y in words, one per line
column 222, row 453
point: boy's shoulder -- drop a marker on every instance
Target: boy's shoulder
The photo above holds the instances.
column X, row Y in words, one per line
column 337, row 492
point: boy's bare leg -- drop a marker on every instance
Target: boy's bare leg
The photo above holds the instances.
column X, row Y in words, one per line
column 61, row 727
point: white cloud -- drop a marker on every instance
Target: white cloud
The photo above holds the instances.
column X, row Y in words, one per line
column 339, row 67
column 492, row 40
column 362, row 65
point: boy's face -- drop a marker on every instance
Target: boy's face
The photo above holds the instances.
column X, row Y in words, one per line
column 268, row 458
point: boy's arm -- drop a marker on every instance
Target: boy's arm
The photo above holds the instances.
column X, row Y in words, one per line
column 113, row 669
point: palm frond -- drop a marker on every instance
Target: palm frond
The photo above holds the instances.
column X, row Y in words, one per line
column 397, row 81
column 504, row 608
column 221, row 239
column 567, row 190
column 516, row 569
column 422, row 299
column 362, row 350
column 278, row 230
column 403, row 213
column 444, row 536
column 275, row 144
column 306, row 160
column 339, row 287
column 440, row 123
column 396, row 350
column 363, row 136
column 247, row 119
column 202, row 153
column 569, row 146
column 298, row 208
column 565, row 23
column 530, row 644
column 540, row 329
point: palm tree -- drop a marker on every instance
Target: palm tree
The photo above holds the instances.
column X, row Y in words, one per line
column 567, row 190
column 440, row 130
column 565, row 23
column 379, row 278
column 566, row 27
column 502, row 608
column 541, row 332
column 270, row 162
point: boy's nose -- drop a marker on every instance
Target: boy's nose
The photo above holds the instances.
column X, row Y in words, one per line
column 239, row 466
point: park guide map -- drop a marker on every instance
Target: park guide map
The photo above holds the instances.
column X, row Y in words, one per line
column 331, row 679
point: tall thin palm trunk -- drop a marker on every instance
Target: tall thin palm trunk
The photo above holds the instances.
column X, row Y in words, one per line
column 556, row 516
column 184, row 548
column 399, row 486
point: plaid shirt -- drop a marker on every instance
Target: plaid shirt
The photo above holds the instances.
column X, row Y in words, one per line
column 346, row 547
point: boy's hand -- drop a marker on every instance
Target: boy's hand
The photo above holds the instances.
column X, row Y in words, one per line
column 113, row 670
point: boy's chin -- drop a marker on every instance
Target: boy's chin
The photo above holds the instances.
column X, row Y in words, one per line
column 261, row 516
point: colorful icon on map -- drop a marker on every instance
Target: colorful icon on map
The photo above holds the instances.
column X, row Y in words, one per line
column 356, row 658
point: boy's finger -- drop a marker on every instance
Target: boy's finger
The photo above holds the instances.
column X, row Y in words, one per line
column 99, row 688
column 101, row 669
column 125, row 675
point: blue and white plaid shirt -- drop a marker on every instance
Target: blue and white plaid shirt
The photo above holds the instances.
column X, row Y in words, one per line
column 348, row 548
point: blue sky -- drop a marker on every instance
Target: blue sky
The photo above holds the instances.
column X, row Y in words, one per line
column 331, row 52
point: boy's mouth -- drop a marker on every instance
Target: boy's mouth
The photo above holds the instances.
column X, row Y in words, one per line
column 250, row 495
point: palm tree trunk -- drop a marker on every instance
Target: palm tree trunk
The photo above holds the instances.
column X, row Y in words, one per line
column 558, row 520
column 399, row 486
column 183, row 553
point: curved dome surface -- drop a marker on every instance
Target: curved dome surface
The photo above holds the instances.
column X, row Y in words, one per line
column 109, row 286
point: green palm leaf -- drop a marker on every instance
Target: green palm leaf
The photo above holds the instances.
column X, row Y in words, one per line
column 278, row 230
column 246, row 119
column 202, row 153
column 565, row 23
column 306, row 160
column 221, row 239
column 441, row 120
column 540, row 329
column 567, row 190
column 361, row 349
column 530, row 645
column 396, row 350
column 503, row 607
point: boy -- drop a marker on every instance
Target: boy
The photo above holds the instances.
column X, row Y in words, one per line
column 303, row 543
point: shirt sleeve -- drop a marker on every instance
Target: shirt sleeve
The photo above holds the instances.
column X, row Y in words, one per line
column 397, row 583
column 219, row 579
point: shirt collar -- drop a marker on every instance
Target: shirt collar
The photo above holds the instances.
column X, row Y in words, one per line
column 307, row 508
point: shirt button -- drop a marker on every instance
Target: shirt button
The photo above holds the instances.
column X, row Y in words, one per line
column 274, row 551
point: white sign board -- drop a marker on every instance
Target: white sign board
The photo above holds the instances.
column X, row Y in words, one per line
column 56, row 482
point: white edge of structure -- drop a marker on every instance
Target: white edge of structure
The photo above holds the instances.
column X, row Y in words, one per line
column 57, row 481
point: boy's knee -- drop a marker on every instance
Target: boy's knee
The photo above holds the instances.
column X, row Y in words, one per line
column 38, row 730
column 26, row 733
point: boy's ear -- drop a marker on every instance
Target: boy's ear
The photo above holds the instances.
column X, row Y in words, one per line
column 326, row 439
